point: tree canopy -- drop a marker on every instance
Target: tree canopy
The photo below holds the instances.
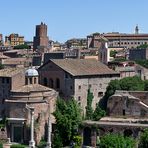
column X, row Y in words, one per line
column 91, row 114
column 22, row 46
column 143, row 46
column 89, row 109
column 68, row 118
column 98, row 113
column 143, row 63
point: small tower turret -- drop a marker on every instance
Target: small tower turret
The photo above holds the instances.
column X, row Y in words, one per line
column 136, row 30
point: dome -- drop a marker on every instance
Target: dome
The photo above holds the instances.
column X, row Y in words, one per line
column 31, row 72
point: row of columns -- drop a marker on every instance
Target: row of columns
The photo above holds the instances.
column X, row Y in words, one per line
column 32, row 141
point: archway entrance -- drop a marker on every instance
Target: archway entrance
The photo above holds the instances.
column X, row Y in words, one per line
column 87, row 136
column 128, row 133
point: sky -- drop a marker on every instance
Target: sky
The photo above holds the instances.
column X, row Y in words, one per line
column 68, row 19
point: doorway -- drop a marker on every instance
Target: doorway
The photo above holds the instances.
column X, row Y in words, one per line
column 17, row 133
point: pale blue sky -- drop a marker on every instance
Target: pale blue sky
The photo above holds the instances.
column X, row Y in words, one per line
column 72, row 18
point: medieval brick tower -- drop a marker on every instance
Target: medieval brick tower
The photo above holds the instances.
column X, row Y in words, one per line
column 40, row 41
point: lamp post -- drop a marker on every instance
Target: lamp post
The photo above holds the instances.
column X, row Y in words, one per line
column 31, row 142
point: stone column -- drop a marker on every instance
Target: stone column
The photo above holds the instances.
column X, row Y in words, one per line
column 49, row 133
column 32, row 142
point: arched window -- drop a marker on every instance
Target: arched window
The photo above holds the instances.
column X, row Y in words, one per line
column 57, row 83
column 51, row 83
column 35, row 80
column 45, row 82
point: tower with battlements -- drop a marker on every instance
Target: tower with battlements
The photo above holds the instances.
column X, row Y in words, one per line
column 40, row 41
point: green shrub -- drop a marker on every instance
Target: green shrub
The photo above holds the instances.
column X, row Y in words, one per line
column 143, row 139
column 77, row 140
column 42, row 144
column 1, row 145
column 17, row 146
column 116, row 141
column 57, row 142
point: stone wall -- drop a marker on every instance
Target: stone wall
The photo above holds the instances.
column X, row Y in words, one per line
column 18, row 80
column 97, row 86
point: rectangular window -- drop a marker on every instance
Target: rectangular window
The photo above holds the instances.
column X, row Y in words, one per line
column 3, row 80
column 79, row 86
column 7, row 80
column 79, row 98
column 100, row 94
column 89, row 86
column 66, row 75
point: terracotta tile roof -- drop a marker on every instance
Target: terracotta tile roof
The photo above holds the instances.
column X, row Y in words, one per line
column 16, row 61
column 81, row 67
column 9, row 72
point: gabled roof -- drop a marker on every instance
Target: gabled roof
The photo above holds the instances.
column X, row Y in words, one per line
column 82, row 67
